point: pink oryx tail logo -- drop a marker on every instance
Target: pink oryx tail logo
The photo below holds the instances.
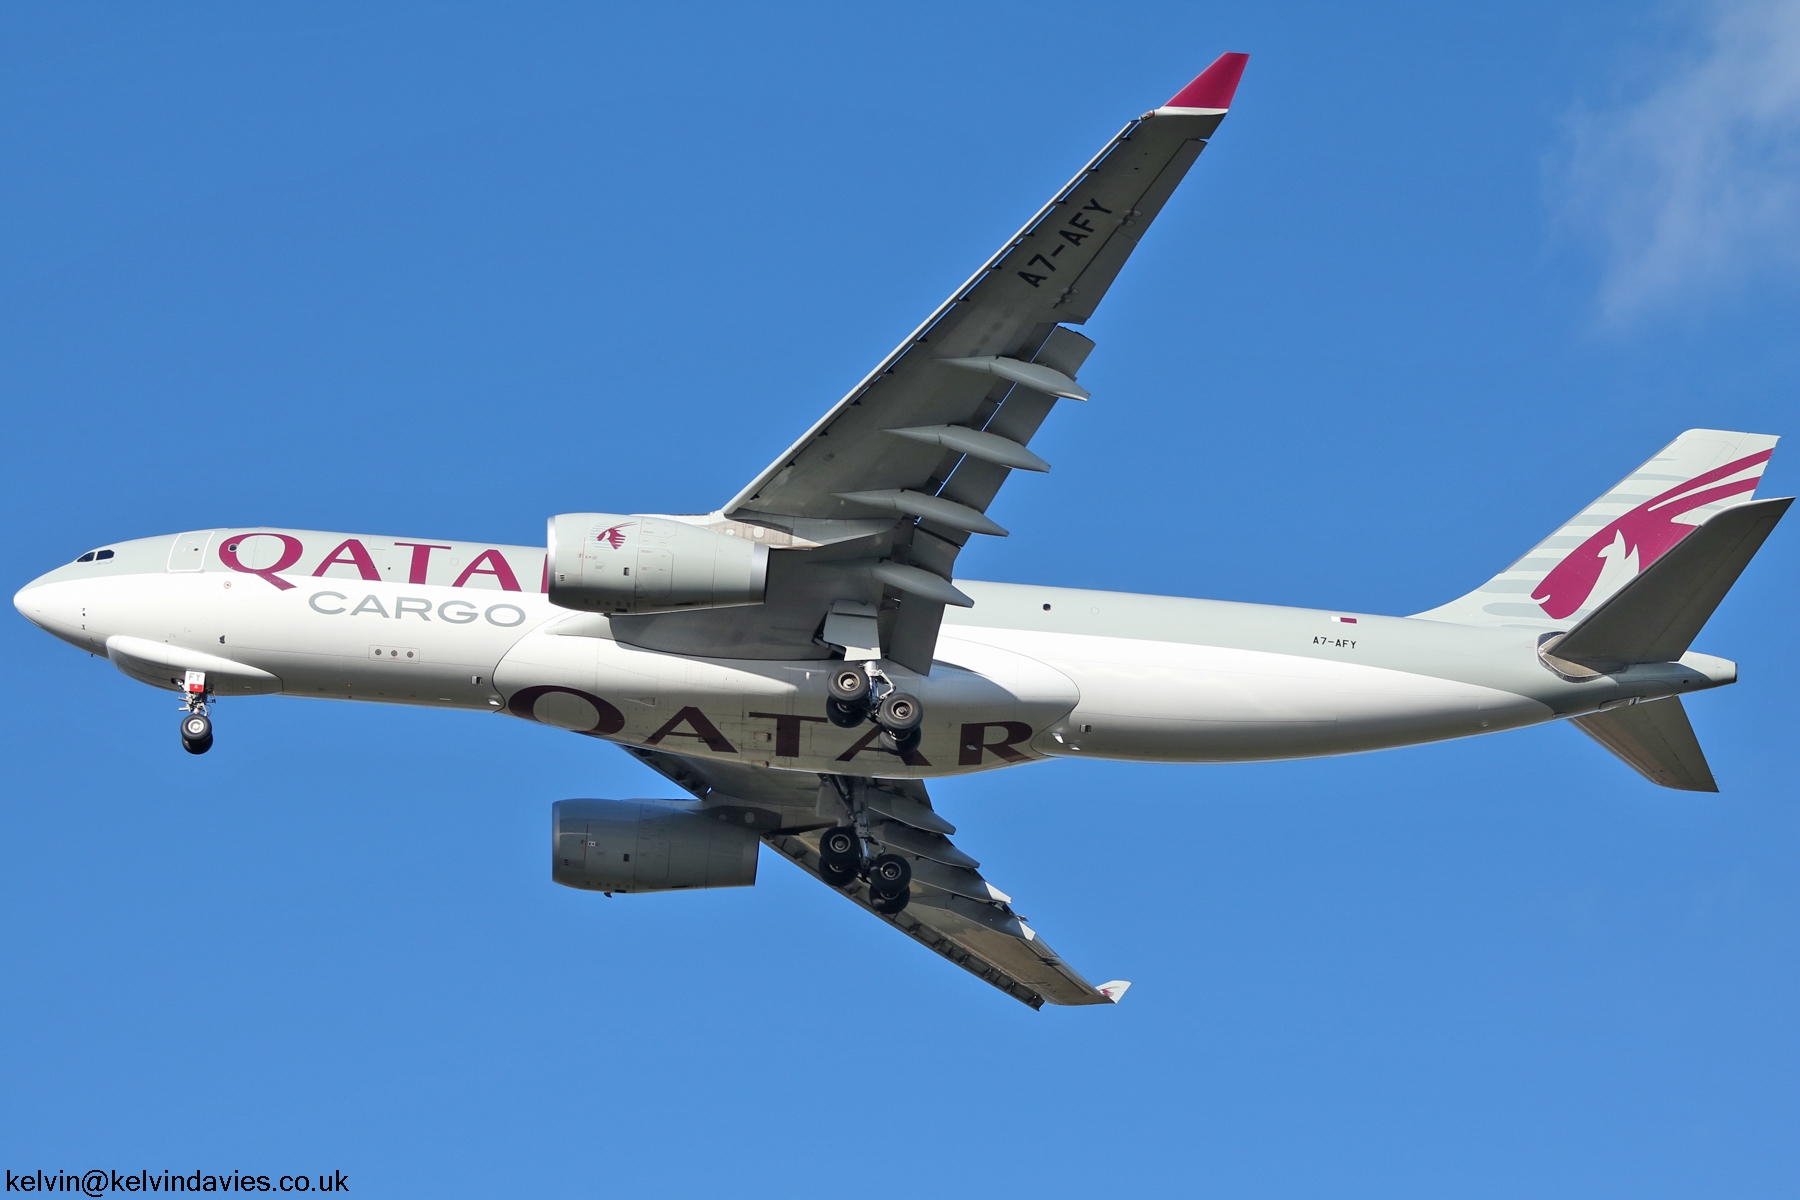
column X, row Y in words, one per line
column 1628, row 544
column 614, row 537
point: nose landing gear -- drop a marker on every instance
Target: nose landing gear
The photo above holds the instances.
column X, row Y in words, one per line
column 196, row 726
column 196, row 733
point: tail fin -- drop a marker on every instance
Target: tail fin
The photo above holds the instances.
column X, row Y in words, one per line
column 1576, row 569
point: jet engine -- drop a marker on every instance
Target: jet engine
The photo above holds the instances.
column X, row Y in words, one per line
column 604, row 562
column 647, row 846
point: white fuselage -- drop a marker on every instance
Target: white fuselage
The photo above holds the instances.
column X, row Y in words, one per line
column 1029, row 672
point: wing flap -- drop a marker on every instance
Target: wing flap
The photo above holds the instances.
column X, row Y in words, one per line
column 907, row 810
column 919, row 844
column 959, row 881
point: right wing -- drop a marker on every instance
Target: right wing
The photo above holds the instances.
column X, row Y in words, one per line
column 872, row 505
column 954, row 910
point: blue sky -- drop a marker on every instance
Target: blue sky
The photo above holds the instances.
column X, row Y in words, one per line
column 1445, row 274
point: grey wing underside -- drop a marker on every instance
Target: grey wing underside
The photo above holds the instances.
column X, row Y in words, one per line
column 954, row 910
column 969, row 387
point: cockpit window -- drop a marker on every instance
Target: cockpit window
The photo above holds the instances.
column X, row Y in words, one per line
column 102, row 555
column 88, row 557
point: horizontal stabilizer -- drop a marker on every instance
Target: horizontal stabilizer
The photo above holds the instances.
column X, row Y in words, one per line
column 1656, row 616
column 1655, row 740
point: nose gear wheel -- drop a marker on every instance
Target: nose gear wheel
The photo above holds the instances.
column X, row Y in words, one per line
column 196, row 726
column 196, row 733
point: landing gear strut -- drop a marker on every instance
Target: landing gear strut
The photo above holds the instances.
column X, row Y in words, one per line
column 196, row 726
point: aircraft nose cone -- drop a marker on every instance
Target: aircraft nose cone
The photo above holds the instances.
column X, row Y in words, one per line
column 55, row 608
column 27, row 605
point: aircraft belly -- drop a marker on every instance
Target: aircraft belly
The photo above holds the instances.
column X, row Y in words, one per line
column 1178, row 702
column 772, row 713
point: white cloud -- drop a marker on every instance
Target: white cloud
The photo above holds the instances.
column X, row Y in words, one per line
column 1695, row 183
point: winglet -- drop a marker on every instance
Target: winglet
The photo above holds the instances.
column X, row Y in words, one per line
column 1214, row 87
column 1114, row 990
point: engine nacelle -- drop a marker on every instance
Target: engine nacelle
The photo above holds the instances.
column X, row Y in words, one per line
column 604, row 562
column 647, row 846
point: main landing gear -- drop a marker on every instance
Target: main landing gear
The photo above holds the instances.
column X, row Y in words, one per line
column 847, row 699
column 842, row 861
column 857, row 694
column 196, row 726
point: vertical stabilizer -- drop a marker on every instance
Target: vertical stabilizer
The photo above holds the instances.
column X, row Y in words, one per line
column 1573, row 571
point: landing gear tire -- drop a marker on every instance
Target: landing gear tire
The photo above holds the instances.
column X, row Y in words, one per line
column 899, row 743
column 845, row 714
column 887, row 906
column 900, row 713
column 850, row 684
column 889, row 875
column 196, row 733
column 840, row 851
column 835, row 875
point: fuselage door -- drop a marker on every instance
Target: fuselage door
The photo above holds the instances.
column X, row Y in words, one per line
column 189, row 551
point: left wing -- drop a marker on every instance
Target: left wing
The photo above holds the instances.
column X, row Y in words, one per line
column 954, row 909
column 873, row 504
column 907, row 426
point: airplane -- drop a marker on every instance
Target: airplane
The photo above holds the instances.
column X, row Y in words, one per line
column 801, row 660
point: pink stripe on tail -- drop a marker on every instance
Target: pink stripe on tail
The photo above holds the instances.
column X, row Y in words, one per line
column 1647, row 531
